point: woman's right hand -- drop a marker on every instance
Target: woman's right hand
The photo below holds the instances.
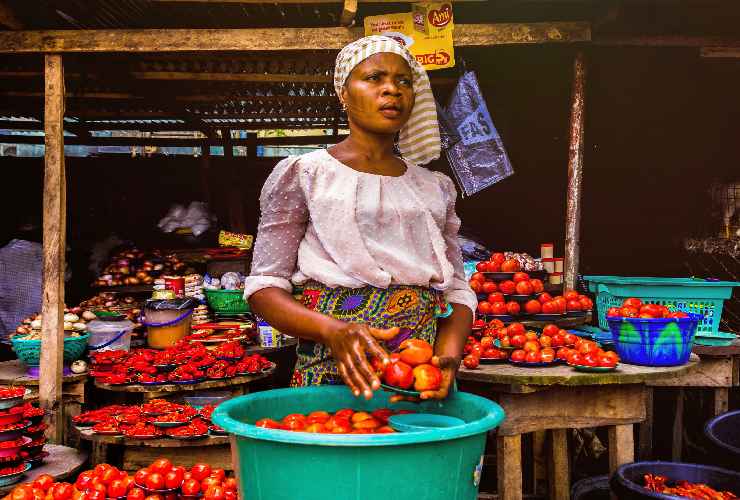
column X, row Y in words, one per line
column 351, row 345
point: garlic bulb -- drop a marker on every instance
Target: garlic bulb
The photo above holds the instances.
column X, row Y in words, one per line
column 79, row 366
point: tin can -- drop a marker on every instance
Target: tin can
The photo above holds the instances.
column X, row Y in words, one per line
column 176, row 284
column 556, row 278
column 546, row 250
column 163, row 295
column 559, row 264
column 549, row 265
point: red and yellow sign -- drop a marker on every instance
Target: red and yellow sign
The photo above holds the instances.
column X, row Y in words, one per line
column 426, row 31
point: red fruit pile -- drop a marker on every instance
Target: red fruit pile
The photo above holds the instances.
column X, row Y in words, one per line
column 588, row 353
column 635, row 308
column 345, row 421
column 498, row 263
column 193, row 363
column 411, row 367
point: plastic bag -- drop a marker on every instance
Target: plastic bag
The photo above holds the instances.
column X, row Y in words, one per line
column 231, row 281
column 473, row 146
column 196, row 217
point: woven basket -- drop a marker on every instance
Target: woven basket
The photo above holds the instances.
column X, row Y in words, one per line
column 29, row 351
column 227, row 301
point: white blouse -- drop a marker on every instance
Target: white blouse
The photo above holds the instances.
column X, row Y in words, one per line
column 325, row 221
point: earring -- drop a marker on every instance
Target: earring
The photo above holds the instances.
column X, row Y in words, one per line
column 344, row 106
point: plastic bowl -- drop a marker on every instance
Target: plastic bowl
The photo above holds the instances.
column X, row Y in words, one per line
column 370, row 467
column 628, row 480
column 723, row 431
column 416, row 422
column 654, row 342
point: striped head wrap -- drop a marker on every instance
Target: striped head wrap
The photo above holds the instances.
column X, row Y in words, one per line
column 418, row 140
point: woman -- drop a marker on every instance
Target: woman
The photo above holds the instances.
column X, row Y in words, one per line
column 371, row 237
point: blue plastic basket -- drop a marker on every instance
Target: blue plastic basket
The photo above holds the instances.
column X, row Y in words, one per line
column 690, row 295
column 654, row 342
column 29, row 351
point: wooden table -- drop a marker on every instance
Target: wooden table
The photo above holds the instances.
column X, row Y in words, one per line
column 719, row 372
column 138, row 453
column 14, row 372
column 62, row 463
column 558, row 398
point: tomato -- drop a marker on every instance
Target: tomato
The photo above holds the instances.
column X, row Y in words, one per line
column 678, row 314
column 201, row 471
column 161, row 465
column 588, row 347
column 533, row 357
column 292, row 422
column 94, row 495
column 613, row 356
column 653, row 310
column 471, row 362
column 101, row 468
column 23, row 492
column 632, row 302
column 645, row 316
column 98, row 485
column 544, row 298
column 507, row 287
column 478, row 277
column 537, row 286
column 154, row 481
column 313, row 417
column 545, row 341
column 498, row 257
column 510, row 266
column 484, row 307
column 208, row 482
column 140, row 476
column 63, row 491
column 191, row 487
column 475, row 286
column 513, row 308
column 518, row 355
column 524, row 288
column 498, row 308
column 43, row 482
column 614, row 312
column 629, row 312
column 571, row 295
column 83, row 480
column 520, row 277
column 549, row 308
column 488, row 287
column 496, row 297
column 533, row 307
column 575, row 358
column 135, row 494
column 109, row 475
column 531, row 346
column 606, row 361
column 482, row 266
column 154, row 497
column 586, row 303
column 547, row 356
column 590, row 359
column 232, row 495
column 518, row 340
column 563, row 353
column 173, row 479
column 573, row 305
column 215, row 493
column 665, row 311
column 117, row 488
column 268, row 423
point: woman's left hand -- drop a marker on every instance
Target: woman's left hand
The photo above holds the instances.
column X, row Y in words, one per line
column 448, row 365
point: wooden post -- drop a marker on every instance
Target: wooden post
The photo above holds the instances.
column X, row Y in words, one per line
column 509, row 467
column 621, row 446
column 55, row 215
column 646, row 428
column 721, row 400
column 559, row 470
column 677, row 441
column 539, row 463
column 575, row 172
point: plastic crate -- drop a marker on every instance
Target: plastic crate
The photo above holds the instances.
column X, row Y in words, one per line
column 227, row 301
column 691, row 295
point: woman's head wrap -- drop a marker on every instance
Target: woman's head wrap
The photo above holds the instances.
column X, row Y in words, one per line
column 418, row 140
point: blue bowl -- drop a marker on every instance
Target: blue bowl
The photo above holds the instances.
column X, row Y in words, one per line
column 417, row 422
column 654, row 342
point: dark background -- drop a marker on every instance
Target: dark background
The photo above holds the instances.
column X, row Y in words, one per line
column 659, row 129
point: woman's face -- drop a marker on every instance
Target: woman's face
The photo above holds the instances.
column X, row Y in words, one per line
column 379, row 94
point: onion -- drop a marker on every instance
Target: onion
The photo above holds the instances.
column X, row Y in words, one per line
column 129, row 300
column 78, row 366
column 68, row 325
column 71, row 318
column 79, row 326
column 123, row 262
column 88, row 315
column 36, row 324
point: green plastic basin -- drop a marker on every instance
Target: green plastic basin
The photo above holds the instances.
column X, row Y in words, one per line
column 438, row 464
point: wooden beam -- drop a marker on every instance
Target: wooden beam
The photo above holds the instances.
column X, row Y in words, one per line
column 666, row 41
column 296, row 1
column 270, row 39
column 720, row 52
column 55, row 215
column 575, row 173
column 558, row 465
column 349, row 10
column 8, row 19
column 230, row 77
column 509, row 467
column 176, row 141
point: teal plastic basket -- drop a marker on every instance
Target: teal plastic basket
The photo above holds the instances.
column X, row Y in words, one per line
column 690, row 295
column 29, row 351
column 227, row 301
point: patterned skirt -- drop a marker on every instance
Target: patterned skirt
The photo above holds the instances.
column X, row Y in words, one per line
column 414, row 309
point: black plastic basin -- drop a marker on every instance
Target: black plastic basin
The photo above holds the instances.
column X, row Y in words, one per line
column 627, row 482
column 723, row 431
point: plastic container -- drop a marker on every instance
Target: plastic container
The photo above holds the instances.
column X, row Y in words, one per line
column 591, row 488
column 723, row 431
column 29, row 351
column 214, row 398
column 438, row 464
column 546, row 250
column 628, row 480
column 112, row 333
column 548, row 264
column 654, row 342
column 559, row 264
column 167, row 321
column 227, row 301
column 691, row 295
